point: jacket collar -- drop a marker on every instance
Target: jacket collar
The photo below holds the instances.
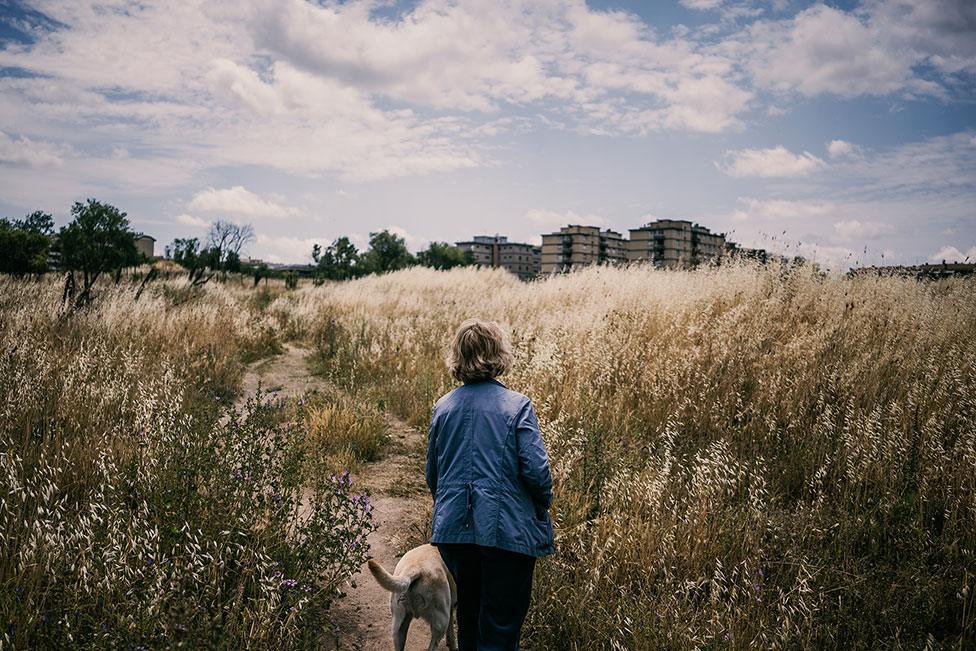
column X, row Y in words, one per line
column 487, row 380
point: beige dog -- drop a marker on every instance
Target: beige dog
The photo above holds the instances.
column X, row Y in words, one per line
column 422, row 587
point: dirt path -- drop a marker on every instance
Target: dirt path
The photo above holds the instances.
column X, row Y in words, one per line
column 399, row 501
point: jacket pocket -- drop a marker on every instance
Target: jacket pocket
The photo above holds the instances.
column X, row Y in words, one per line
column 450, row 515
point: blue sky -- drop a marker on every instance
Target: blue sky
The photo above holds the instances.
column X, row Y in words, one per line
column 842, row 131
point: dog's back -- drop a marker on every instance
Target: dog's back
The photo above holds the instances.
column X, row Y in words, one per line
column 421, row 586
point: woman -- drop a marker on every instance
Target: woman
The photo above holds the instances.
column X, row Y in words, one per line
column 488, row 472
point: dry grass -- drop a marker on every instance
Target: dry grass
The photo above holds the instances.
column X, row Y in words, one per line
column 137, row 507
column 743, row 456
column 341, row 434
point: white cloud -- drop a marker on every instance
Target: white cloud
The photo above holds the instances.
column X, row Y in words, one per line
column 413, row 242
column 825, row 50
column 605, row 69
column 879, row 48
column 554, row 220
column 768, row 163
column 702, row 5
column 940, row 33
column 944, row 166
column 855, row 230
column 952, row 254
column 840, row 148
column 190, row 220
column 31, row 153
column 284, row 248
column 777, row 209
column 238, row 201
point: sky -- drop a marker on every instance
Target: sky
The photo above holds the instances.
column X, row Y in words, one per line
column 842, row 131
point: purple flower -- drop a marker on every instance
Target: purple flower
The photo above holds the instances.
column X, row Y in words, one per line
column 289, row 583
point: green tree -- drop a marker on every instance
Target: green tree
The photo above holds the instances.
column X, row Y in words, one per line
column 24, row 243
column 188, row 254
column 38, row 222
column 441, row 255
column 97, row 240
column 232, row 262
column 186, row 251
column 338, row 261
column 387, row 252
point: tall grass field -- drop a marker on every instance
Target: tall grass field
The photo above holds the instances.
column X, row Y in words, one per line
column 743, row 456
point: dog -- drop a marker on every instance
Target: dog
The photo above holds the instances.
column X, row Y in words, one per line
column 421, row 586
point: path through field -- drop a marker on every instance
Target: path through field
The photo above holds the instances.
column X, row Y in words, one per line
column 399, row 500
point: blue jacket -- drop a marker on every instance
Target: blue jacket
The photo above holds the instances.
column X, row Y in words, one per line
column 488, row 471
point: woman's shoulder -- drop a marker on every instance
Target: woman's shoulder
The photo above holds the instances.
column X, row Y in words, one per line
column 490, row 394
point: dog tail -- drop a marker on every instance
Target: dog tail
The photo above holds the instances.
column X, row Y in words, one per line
column 387, row 580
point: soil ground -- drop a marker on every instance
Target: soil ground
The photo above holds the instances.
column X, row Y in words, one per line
column 399, row 499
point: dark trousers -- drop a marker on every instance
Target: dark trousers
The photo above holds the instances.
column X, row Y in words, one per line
column 494, row 587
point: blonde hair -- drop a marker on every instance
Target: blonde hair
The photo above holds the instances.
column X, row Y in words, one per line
column 480, row 351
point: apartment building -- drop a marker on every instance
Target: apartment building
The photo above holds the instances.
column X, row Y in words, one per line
column 674, row 244
column 577, row 246
column 521, row 259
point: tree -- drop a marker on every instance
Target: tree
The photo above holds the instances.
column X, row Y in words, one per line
column 24, row 243
column 387, row 252
column 226, row 237
column 97, row 240
column 441, row 255
column 232, row 262
column 38, row 222
column 188, row 254
column 339, row 261
column 186, row 251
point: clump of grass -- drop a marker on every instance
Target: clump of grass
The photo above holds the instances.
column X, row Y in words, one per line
column 341, row 433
